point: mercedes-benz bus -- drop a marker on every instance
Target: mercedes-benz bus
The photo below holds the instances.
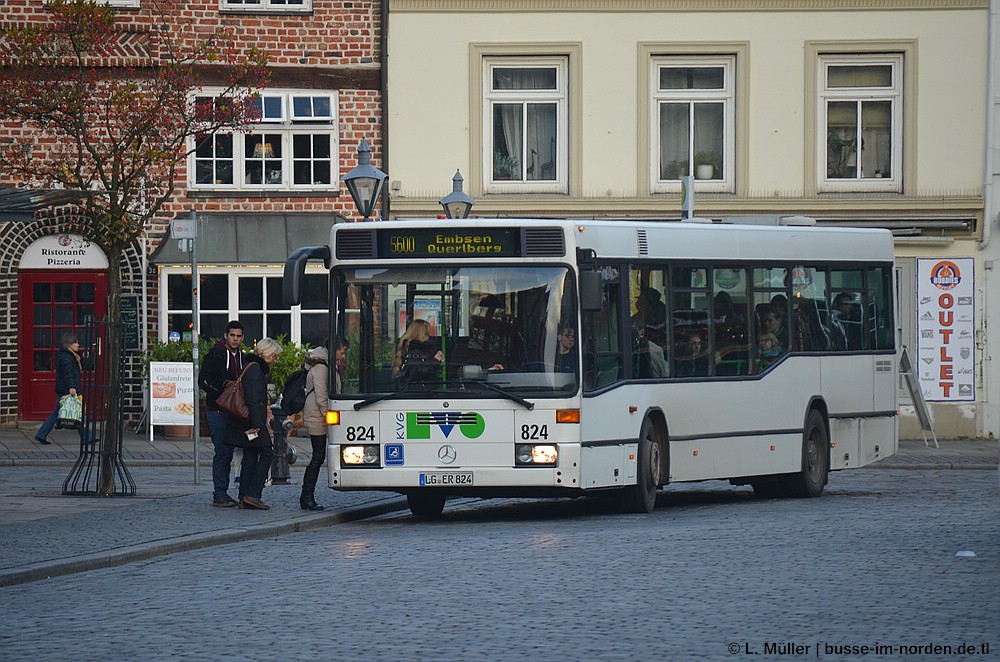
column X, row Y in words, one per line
column 570, row 357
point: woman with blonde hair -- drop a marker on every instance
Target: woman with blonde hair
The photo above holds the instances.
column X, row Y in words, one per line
column 255, row 437
column 415, row 345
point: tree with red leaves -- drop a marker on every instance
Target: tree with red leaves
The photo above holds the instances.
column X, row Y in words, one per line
column 102, row 104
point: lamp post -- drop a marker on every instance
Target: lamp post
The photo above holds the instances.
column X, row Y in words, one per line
column 365, row 181
column 457, row 204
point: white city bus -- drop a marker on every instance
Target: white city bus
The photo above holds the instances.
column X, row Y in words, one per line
column 762, row 355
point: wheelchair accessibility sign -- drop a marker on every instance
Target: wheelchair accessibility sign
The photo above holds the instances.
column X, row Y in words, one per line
column 394, row 455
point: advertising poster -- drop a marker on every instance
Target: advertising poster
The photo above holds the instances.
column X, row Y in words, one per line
column 171, row 389
column 946, row 331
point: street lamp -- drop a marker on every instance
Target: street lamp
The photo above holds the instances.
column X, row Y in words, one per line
column 365, row 181
column 457, row 204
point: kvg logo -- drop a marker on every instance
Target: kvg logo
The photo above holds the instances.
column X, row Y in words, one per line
column 419, row 424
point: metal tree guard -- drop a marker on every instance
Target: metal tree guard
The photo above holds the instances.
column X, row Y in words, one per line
column 85, row 476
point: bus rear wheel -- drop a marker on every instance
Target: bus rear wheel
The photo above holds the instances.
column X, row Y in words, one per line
column 641, row 497
column 811, row 480
column 426, row 504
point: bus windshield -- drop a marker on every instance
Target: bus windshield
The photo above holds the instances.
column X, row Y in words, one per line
column 474, row 330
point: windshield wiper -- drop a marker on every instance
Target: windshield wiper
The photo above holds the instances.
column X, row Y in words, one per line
column 358, row 406
column 424, row 387
column 507, row 394
column 463, row 383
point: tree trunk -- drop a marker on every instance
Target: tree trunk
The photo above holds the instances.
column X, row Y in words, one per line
column 113, row 356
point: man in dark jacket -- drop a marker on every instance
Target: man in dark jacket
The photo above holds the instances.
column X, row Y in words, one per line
column 223, row 362
column 68, row 383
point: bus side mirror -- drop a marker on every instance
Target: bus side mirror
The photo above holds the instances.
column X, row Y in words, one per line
column 295, row 271
column 590, row 291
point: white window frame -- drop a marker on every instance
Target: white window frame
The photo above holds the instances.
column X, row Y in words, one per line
column 312, row 117
column 286, row 127
column 123, row 4
column 558, row 96
column 282, row 115
column 893, row 94
column 234, row 273
column 725, row 95
column 266, row 6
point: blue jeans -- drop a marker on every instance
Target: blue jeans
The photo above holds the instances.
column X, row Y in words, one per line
column 50, row 422
column 223, row 457
column 253, row 471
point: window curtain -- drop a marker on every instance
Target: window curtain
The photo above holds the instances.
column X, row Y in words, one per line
column 535, row 152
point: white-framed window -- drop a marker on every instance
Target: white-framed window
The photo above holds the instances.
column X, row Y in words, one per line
column 859, row 115
column 271, row 6
column 693, row 117
column 123, row 4
column 251, row 295
column 292, row 147
column 525, row 124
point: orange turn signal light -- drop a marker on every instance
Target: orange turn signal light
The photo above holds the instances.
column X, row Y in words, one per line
column 567, row 415
column 333, row 418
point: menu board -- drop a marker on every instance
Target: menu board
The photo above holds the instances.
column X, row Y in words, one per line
column 130, row 320
column 171, row 389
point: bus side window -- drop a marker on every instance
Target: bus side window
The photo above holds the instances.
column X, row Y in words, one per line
column 881, row 329
column 732, row 337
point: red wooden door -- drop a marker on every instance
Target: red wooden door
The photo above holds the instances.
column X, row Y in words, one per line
column 51, row 304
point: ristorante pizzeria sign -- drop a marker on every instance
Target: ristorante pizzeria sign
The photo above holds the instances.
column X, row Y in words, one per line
column 63, row 251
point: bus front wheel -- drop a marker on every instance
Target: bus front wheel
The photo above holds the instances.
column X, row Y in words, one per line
column 426, row 504
column 641, row 497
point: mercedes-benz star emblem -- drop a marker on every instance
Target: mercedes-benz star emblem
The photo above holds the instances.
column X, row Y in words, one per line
column 447, row 454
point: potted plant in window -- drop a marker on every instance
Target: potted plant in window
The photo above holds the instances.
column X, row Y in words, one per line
column 505, row 167
column 840, row 155
column 707, row 165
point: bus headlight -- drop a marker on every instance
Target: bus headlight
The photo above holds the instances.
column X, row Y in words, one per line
column 535, row 455
column 359, row 455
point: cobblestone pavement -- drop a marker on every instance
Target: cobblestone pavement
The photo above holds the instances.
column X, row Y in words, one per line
column 45, row 534
column 712, row 574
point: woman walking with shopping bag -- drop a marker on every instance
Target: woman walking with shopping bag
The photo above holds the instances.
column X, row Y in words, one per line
column 69, row 371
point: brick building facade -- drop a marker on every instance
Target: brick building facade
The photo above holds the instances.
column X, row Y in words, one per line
column 257, row 194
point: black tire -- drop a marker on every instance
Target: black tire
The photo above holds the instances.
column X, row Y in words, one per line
column 641, row 497
column 810, row 481
column 426, row 505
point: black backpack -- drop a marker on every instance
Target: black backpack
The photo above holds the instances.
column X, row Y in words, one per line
column 293, row 397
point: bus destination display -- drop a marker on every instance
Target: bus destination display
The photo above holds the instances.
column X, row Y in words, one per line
column 431, row 242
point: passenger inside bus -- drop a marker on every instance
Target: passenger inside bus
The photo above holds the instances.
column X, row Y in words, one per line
column 649, row 333
column 769, row 350
column 565, row 342
column 849, row 316
column 693, row 362
column 415, row 352
column 771, row 322
column 651, row 315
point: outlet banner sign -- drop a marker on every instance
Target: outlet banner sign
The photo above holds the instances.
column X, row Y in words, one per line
column 946, row 330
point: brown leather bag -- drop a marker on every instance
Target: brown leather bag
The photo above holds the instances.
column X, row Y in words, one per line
column 232, row 401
